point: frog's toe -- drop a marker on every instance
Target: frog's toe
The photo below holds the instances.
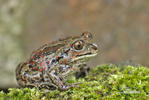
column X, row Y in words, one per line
column 77, row 83
column 66, row 87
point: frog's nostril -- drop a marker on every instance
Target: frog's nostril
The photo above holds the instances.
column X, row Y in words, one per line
column 94, row 46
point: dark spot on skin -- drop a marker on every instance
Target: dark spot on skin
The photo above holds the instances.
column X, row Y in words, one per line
column 25, row 74
column 17, row 78
column 32, row 81
column 55, row 73
column 67, row 51
column 88, row 69
column 47, row 53
column 61, row 78
column 30, row 66
column 47, row 62
column 35, row 57
column 59, row 58
column 53, row 61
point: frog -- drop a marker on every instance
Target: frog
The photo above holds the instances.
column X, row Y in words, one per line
column 50, row 65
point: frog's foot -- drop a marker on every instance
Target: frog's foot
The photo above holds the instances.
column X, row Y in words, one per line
column 76, row 84
column 67, row 87
column 48, row 86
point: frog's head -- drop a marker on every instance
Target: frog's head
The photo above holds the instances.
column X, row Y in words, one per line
column 82, row 48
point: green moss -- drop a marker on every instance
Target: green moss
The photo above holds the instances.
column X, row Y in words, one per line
column 104, row 82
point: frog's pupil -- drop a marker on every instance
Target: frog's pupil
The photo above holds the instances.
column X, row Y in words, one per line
column 78, row 45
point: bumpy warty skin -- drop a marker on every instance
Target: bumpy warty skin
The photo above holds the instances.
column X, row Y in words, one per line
column 49, row 66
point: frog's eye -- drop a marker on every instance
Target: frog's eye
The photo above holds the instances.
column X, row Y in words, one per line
column 78, row 45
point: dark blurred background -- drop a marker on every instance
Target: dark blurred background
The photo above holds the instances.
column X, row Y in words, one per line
column 120, row 28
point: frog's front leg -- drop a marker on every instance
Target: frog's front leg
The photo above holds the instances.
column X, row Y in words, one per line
column 59, row 81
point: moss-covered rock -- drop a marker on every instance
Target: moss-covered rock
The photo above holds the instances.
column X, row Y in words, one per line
column 104, row 82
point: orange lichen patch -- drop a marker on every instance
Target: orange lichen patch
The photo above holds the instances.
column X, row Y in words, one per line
column 40, row 63
column 57, row 57
column 35, row 68
column 64, row 61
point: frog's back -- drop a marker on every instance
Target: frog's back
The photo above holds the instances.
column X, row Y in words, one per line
column 39, row 62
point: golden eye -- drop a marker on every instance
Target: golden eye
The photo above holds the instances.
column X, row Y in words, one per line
column 78, row 45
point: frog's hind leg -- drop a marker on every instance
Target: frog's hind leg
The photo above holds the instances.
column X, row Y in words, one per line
column 26, row 76
column 59, row 82
column 19, row 76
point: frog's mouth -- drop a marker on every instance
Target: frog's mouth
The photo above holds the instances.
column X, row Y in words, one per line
column 82, row 56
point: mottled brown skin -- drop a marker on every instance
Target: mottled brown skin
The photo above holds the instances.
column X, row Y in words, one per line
column 49, row 66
